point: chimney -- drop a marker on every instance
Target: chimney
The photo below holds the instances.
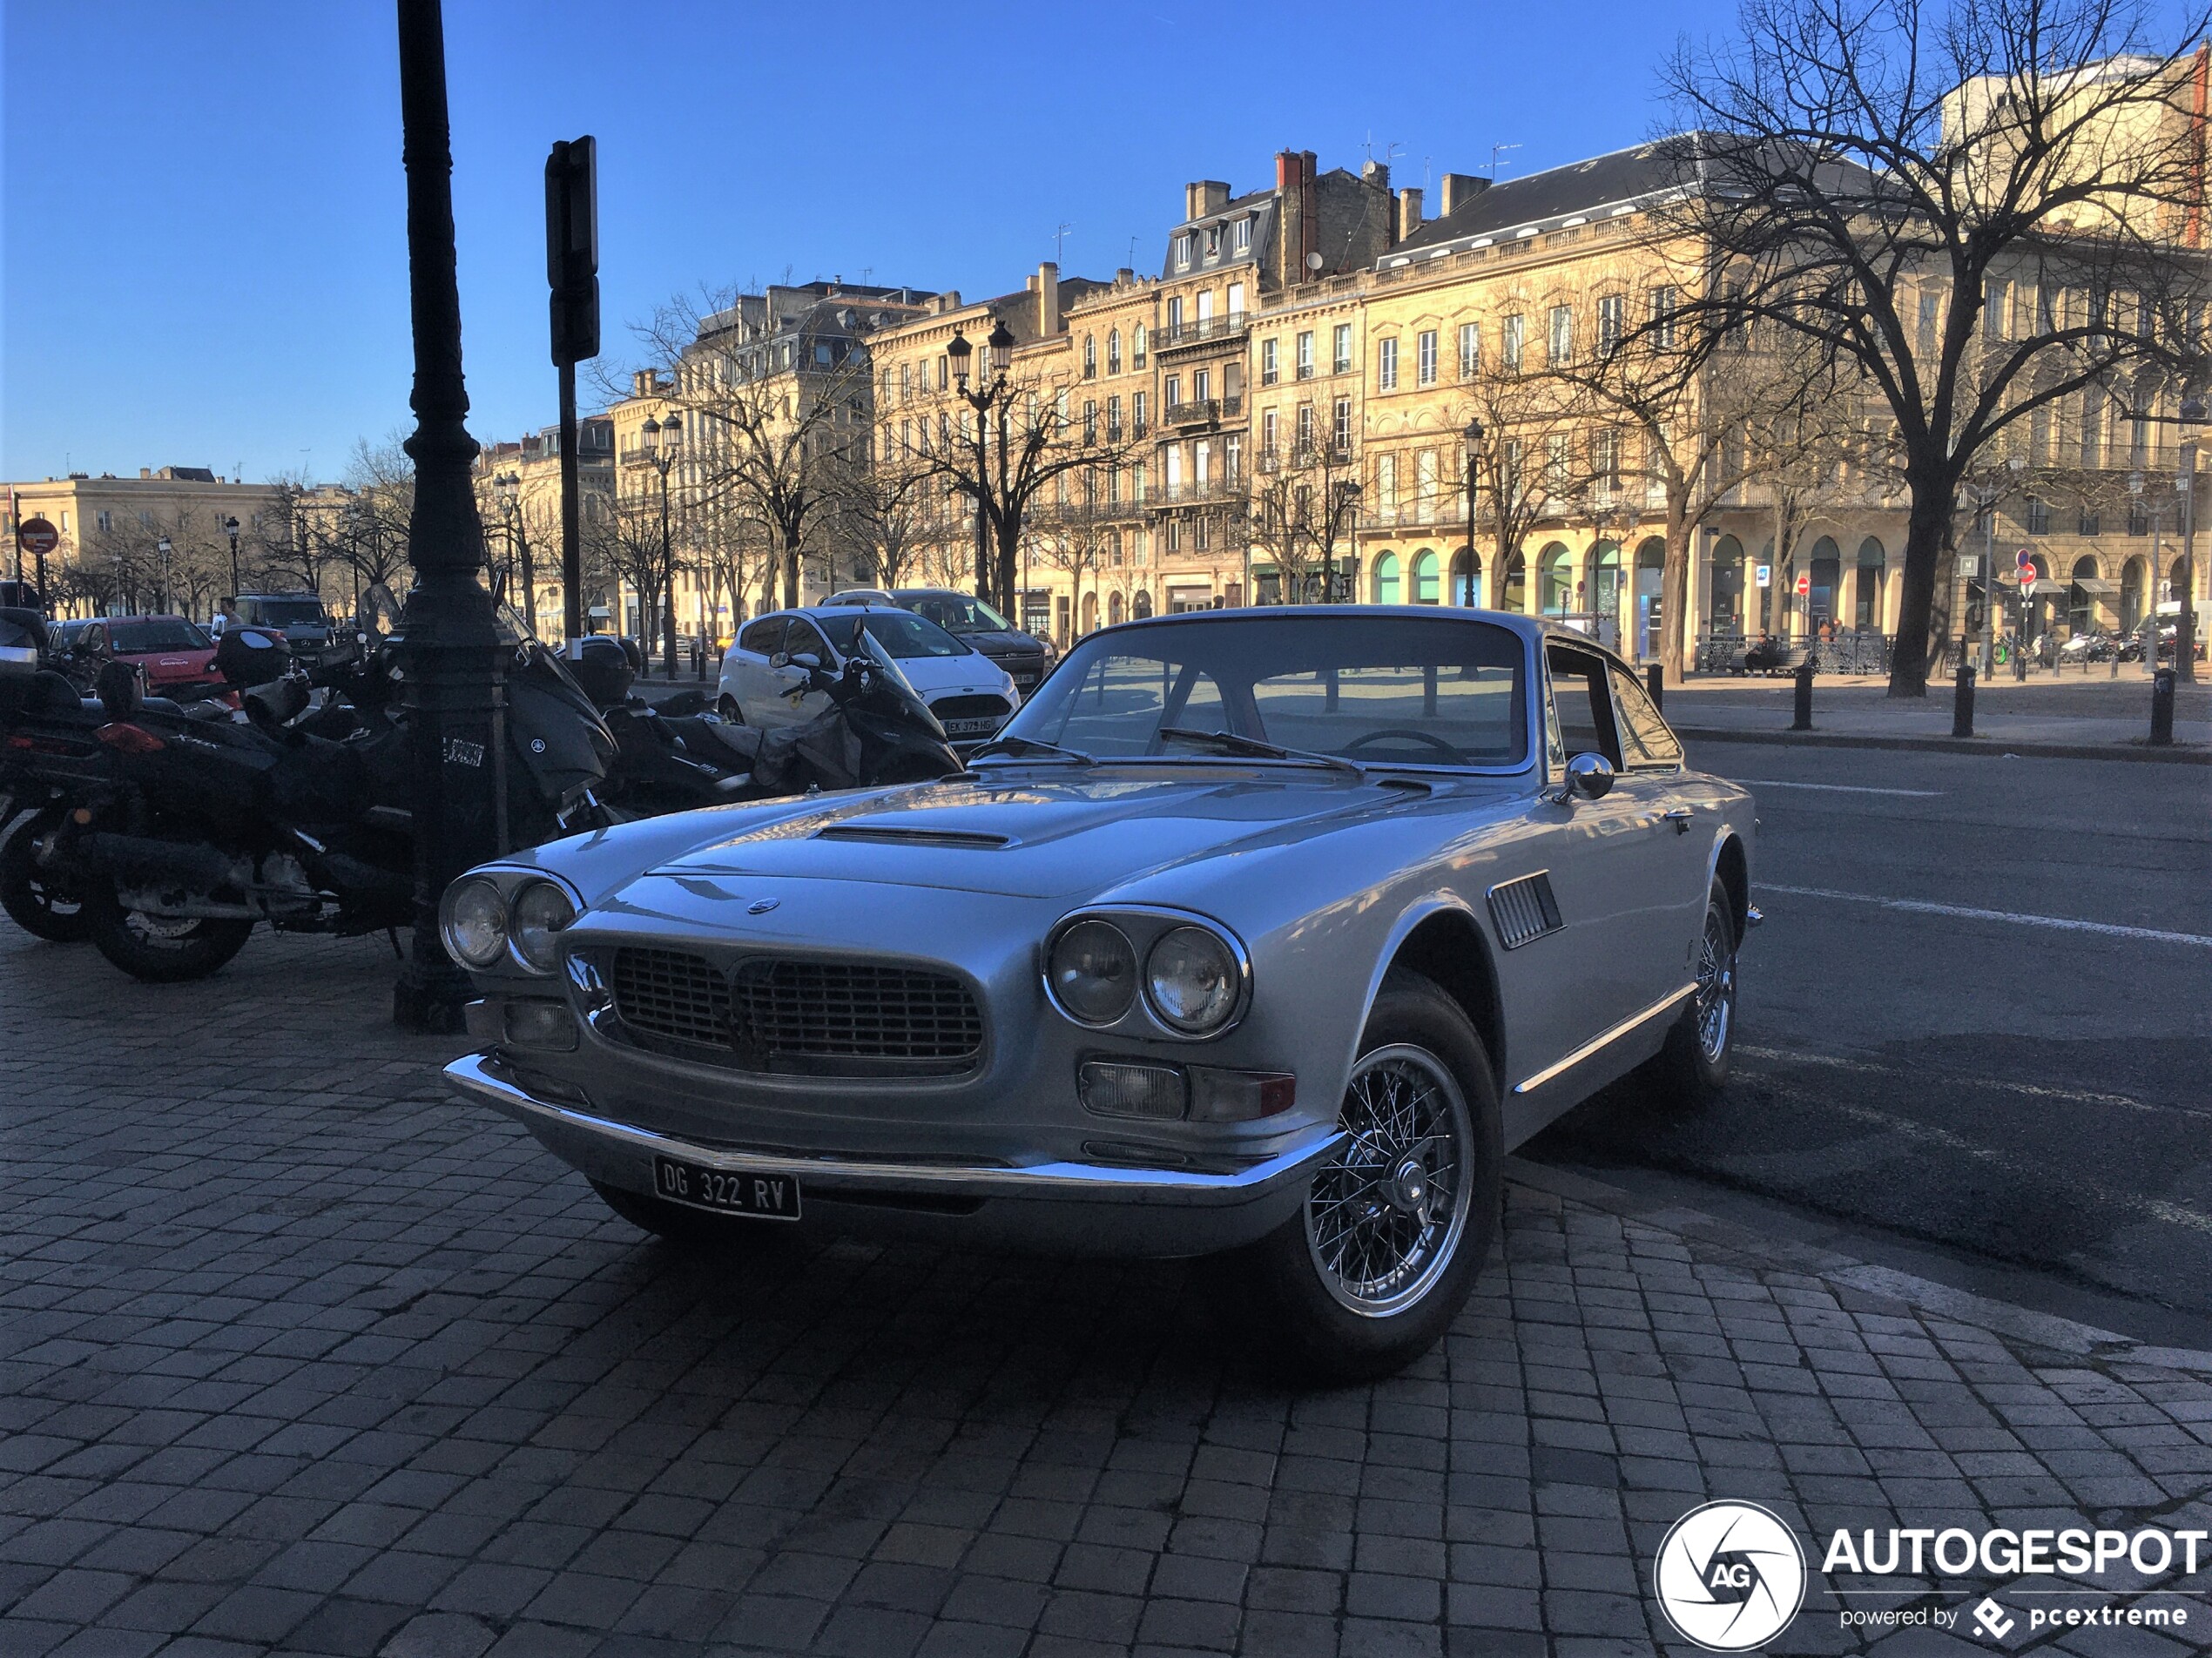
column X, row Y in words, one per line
column 1298, row 227
column 1206, row 196
column 1046, row 288
column 1124, row 276
column 1409, row 211
column 1460, row 188
column 146, row 472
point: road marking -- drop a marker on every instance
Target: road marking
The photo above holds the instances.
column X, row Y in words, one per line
column 1997, row 1084
column 1921, row 907
column 1836, row 788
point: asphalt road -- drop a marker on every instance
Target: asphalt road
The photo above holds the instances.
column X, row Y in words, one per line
column 2021, row 1108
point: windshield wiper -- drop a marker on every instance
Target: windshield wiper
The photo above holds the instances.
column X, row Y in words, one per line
column 1231, row 742
column 1031, row 746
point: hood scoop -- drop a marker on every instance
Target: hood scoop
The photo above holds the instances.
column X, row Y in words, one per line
column 895, row 835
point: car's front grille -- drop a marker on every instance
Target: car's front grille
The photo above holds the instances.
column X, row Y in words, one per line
column 784, row 1013
column 969, row 708
column 844, row 1010
column 673, row 993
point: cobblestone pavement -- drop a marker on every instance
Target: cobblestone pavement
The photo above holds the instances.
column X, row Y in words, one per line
column 300, row 1354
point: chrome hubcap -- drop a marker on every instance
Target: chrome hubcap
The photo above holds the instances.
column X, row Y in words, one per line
column 1716, row 999
column 1386, row 1211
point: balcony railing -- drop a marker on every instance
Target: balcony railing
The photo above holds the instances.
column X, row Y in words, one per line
column 1197, row 411
column 1185, row 491
column 1199, row 331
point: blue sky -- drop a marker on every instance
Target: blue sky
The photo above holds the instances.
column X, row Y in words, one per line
column 205, row 261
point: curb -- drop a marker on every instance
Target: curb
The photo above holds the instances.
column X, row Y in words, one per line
column 2180, row 754
column 2043, row 1330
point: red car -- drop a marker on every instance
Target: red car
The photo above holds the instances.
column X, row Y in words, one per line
column 176, row 654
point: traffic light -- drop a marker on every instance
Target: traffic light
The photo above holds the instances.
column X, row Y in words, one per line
column 572, row 248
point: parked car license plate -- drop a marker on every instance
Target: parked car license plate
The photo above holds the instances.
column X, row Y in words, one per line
column 773, row 1196
column 970, row 727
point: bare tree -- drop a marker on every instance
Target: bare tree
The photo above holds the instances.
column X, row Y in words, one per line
column 882, row 499
column 1983, row 210
column 1298, row 516
column 1529, row 456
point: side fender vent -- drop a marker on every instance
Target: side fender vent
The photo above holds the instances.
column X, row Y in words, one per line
column 1524, row 909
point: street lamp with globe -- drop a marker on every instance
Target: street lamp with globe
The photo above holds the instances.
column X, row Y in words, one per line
column 1471, row 438
column 662, row 442
column 994, row 578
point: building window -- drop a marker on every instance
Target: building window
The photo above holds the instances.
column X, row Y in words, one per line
column 1199, row 537
column 1341, row 358
column 2089, row 523
column 1386, row 485
column 2039, row 515
column 1561, row 337
column 1175, row 318
column 1172, row 537
column 1090, row 358
column 1269, row 371
column 906, row 382
column 1608, row 323
column 1510, row 331
column 1114, row 351
column 1267, row 424
column 1341, row 437
column 105, row 520
column 1306, row 428
column 1242, row 236
column 1182, row 250
column 1305, row 356
column 1090, row 421
column 1425, row 358
column 1993, row 294
column 1470, row 350
column 1172, row 393
column 1136, row 347
column 1387, row 365
column 1213, row 241
column 1664, row 303
column 1236, row 302
column 1931, row 312
column 1232, row 457
column 1201, row 385
column 1113, row 420
column 1424, row 485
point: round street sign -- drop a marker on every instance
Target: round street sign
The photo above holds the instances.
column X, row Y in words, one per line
column 37, row 537
column 1804, row 585
column 2023, row 560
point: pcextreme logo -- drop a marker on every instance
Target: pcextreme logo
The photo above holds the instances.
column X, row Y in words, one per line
column 1731, row 1576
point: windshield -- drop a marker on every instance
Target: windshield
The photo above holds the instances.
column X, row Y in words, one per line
column 290, row 613
column 900, row 634
column 1382, row 690
column 957, row 613
column 158, row 633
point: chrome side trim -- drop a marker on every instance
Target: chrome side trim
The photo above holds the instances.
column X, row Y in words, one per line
column 1606, row 1038
column 474, row 1075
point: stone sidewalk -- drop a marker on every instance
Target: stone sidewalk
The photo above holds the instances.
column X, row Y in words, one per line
column 299, row 1354
column 2068, row 714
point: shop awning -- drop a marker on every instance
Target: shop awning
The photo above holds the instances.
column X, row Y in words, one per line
column 2096, row 587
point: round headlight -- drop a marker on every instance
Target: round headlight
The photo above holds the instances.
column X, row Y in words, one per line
column 476, row 925
column 541, row 910
column 1094, row 972
column 1194, row 979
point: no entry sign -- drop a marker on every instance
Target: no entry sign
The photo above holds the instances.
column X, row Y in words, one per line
column 1804, row 585
column 37, row 537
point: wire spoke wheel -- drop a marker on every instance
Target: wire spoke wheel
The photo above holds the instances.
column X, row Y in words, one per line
column 1714, row 1002
column 1387, row 1210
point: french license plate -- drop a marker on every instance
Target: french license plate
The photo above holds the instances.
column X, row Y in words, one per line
column 772, row 1197
column 970, row 727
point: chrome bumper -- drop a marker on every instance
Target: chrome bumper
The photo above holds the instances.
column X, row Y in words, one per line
column 621, row 1154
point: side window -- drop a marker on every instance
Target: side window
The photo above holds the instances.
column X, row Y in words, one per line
column 764, row 637
column 1581, row 716
column 1644, row 737
column 804, row 637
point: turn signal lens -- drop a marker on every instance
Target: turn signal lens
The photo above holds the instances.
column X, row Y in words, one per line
column 475, row 926
column 541, row 910
column 1110, row 1089
column 1193, row 979
column 1239, row 1096
column 1093, row 972
column 537, row 1021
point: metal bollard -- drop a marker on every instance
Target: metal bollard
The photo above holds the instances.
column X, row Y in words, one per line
column 1962, row 706
column 2116, row 666
column 2019, row 661
column 1655, row 681
column 2161, row 707
column 1803, row 720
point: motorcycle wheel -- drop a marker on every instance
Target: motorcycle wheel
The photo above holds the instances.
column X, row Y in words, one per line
column 157, row 949
column 38, row 900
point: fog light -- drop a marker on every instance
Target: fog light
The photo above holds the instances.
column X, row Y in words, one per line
column 537, row 1021
column 1239, row 1096
column 1112, row 1089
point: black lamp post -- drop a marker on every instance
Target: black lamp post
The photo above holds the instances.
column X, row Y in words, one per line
column 451, row 648
column 230, row 529
column 993, row 393
column 162, row 546
column 1471, row 438
column 662, row 440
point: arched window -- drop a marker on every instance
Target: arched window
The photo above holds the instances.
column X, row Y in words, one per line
column 1466, row 577
column 1113, row 351
column 1143, row 607
column 1730, row 614
column 1866, row 586
column 1554, row 580
column 2080, row 601
column 2132, row 575
column 1424, row 586
column 1516, row 598
column 1090, row 357
column 1603, row 594
column 1114, row 610
column 1826, row 570
column 1090, row 612
column 1387, row 579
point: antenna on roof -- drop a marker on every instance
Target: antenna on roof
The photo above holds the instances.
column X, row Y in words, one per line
column 1497, row 150
column 1059, row 233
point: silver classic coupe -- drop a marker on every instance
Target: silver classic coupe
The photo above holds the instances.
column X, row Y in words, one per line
column 1261, row 934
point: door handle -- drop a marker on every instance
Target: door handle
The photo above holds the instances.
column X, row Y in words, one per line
column 1679, row 816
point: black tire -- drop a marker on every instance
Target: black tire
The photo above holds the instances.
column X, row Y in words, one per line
column 729, row 710
column 694, row 1230
column 38, row 901
column 1320, row 1325
column 1693, row 1067
column 158, row 950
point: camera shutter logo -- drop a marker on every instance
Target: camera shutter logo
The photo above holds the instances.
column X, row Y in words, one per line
column 1730, row 1576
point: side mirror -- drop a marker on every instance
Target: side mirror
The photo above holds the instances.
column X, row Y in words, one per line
column 806, row 660
column 1589, row 776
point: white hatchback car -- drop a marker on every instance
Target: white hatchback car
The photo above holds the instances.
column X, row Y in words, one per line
column 971, row 695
